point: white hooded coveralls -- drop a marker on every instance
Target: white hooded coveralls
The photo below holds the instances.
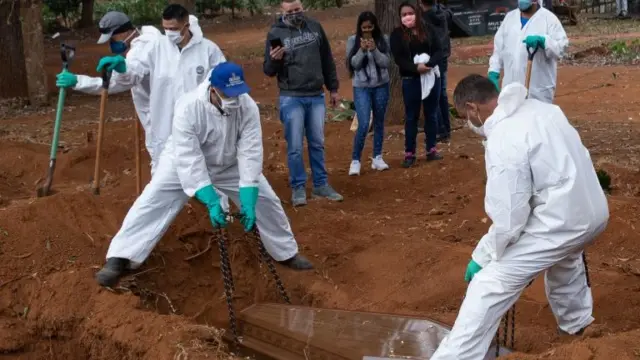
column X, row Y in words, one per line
column 510, row 53
column 140, row 91
column 205, row 148
column 546, row 205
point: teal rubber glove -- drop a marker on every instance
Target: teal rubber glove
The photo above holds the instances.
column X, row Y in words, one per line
column 115, row 63
column 66, row 79
column 534, row 41
column 248, row 200
column 494, row 77
column 472, row 270
column 208, row 196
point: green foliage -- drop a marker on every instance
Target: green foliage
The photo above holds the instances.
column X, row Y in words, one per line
column 344, row 111
column 141, row 12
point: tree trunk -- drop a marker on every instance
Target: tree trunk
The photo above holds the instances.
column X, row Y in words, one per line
column 33, row 44
column 13, row 77
column 86, row 18
column 190, row 5
column 387, row 13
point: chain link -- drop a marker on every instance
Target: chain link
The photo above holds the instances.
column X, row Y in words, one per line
column 227, row 275
column 227, row 278
column 266, row 258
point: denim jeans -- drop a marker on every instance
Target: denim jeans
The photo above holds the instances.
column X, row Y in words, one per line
column 412, row 95
column 444, row 124
column 304, row 116
column 367, row 100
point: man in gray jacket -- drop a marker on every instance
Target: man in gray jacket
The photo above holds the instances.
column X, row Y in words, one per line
column 298, row 52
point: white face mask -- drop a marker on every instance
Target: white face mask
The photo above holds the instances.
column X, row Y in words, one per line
column 174, row 36
column 476, row 129
column 229, row 103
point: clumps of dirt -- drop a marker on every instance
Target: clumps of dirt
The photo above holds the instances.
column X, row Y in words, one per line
column 50, row 249
column 621, row 346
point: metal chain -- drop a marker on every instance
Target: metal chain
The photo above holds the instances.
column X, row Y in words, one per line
column 227, row 278
column 266, row 258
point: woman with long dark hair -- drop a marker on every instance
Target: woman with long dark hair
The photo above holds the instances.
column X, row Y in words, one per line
column 368, row 57
column 413, row 38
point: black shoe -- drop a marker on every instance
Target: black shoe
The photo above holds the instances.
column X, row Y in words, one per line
column 112, row 271
column 297, row 262
column 409, row 160
column 434, row 156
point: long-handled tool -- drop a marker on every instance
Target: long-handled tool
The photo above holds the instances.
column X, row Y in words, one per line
column 531, row 53
column 67, row 53
column 106, row 77
column 138, row 168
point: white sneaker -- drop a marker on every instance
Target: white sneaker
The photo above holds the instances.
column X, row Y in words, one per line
column 379, row 164
column 354, row 169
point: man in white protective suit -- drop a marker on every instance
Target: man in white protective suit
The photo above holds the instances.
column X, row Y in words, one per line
column 215, row 145
column 529, row 26
column 125, row 39
column 545, row 203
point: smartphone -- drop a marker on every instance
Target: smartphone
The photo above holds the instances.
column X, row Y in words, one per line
column 275, row 43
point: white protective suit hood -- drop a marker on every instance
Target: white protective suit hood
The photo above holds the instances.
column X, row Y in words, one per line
column 510, row 53
column 510, row 99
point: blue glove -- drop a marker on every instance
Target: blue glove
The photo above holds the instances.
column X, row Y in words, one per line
column 115, row 63
column 248, row 200
column 534, row 41
column 208, row 196
column 66, row 79
column 494, row 77
column 472, row 269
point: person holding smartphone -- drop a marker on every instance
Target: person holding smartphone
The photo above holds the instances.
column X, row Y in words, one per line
column 298, row 53
column 368, row 57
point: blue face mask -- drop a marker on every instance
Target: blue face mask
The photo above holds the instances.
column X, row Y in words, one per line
column 524, row 5
column 118, row 47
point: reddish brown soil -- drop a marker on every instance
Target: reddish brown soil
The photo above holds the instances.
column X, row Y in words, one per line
column 399, row 243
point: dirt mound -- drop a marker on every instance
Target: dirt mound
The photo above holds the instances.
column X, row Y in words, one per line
column 52, row 246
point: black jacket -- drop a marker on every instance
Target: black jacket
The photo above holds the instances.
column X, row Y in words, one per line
column 440, row 19
column 307, row 64
column 403, row 50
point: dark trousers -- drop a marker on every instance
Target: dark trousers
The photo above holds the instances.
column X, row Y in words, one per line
column 412, row 95
column 444, row 123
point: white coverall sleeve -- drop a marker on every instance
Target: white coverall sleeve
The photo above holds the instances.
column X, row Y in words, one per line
column 189, row 159
column 249, row 147
column 555, row 41
column 216, row 57
column 93, row 85
column 495, row 61
column 508, row 191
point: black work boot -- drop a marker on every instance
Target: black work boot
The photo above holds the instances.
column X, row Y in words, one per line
column 297, row 262
column 112, row 271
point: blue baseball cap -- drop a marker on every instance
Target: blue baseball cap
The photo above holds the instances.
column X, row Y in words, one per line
column 228, row 77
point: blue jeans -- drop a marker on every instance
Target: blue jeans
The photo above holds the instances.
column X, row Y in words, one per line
column 304, row 116
column 367, row 100
column 444, row 124
column 412, row 95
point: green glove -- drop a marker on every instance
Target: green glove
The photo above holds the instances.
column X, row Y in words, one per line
column 66, row 79
column 472, row 269
column 534, row 41
column 494, row 77
column 248, row 200
column 208, row 196
column 115, row 63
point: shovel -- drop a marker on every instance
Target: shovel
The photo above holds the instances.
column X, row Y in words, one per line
column 106, row 77
column 531, row 53
column 67, row 54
